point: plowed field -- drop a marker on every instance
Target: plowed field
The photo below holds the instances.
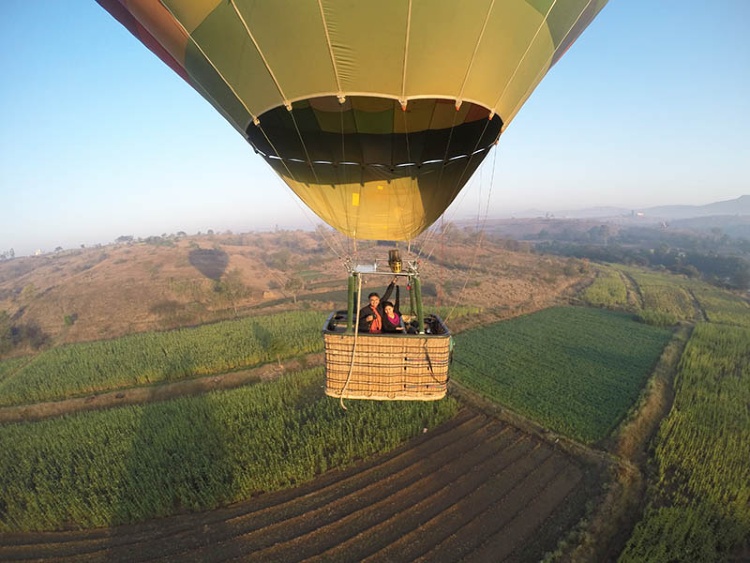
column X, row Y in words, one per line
column 475, row 489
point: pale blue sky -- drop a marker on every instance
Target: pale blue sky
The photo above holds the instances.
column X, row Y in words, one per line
column 98, row 138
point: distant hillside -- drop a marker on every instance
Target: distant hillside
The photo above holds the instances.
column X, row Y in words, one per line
column 733, row 207
column 739, row 206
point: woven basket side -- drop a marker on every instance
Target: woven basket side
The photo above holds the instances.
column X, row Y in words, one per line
column 387, row 367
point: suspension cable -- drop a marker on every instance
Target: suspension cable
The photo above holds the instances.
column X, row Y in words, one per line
column 295, row 197
column 354, row 346
column 480, row 237
column 430, row 234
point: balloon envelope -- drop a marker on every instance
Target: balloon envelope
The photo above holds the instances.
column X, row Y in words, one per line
column 375, row 114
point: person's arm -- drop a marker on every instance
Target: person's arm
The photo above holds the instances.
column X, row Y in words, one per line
column 364, row 312
column 388, row 291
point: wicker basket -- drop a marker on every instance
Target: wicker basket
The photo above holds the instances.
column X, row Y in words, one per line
column 387, row 367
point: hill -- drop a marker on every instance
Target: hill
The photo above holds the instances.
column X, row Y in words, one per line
column 738, row 206
column 733, row 207
column 159, row 284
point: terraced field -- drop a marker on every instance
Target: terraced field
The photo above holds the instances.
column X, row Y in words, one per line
column 474, row 489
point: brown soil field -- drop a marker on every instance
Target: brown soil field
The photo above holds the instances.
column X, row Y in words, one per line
column 474, row 489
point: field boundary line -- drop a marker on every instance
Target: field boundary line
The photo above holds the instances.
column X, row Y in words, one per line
column 157, row 392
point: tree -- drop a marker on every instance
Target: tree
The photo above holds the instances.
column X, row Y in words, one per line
column 294, row 285
column 232, row 287
column 278, row 260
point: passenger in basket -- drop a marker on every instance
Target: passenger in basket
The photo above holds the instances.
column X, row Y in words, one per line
column 392, row 321
column 371, row 316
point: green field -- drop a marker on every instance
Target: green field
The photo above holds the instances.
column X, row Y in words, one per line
column 607, row 290
column 154, row 357
column 722, row 307
column 700, row 503
column 135, row 463
column 665, row 298
column 574, row 370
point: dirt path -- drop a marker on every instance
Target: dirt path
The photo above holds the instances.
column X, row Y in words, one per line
column 160, row 392
column 633, row 290
column 474, row 489
column 700, row 312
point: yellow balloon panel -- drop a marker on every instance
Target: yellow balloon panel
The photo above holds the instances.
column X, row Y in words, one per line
column 394, row 206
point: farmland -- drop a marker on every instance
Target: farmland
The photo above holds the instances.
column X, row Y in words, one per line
column 607, row 290
column 658, row 299
column 700, row 500
column 149, row 358
column 278, row 470
column 154, row 357
column 577, row 371
column 665, row 301
column 722, row 307
column 698, row 497
column 472, row 488
column 136, row 463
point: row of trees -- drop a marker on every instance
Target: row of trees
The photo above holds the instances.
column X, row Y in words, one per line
column 712, row 255
column 729, row 271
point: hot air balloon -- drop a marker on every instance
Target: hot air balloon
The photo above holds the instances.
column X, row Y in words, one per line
column 375, row 114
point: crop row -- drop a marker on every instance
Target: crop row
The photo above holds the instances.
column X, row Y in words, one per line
column 665, row 296
column 663, row 300
column 666, row 299
column 135, row 463
column 700, row 506
column 574, row 370
column 607, row 290
column 721, row 306
column 138, row 359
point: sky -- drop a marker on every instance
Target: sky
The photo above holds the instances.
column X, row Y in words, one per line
column 100, row 139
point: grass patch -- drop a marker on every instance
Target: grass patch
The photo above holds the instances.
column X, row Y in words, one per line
column 576, row 371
